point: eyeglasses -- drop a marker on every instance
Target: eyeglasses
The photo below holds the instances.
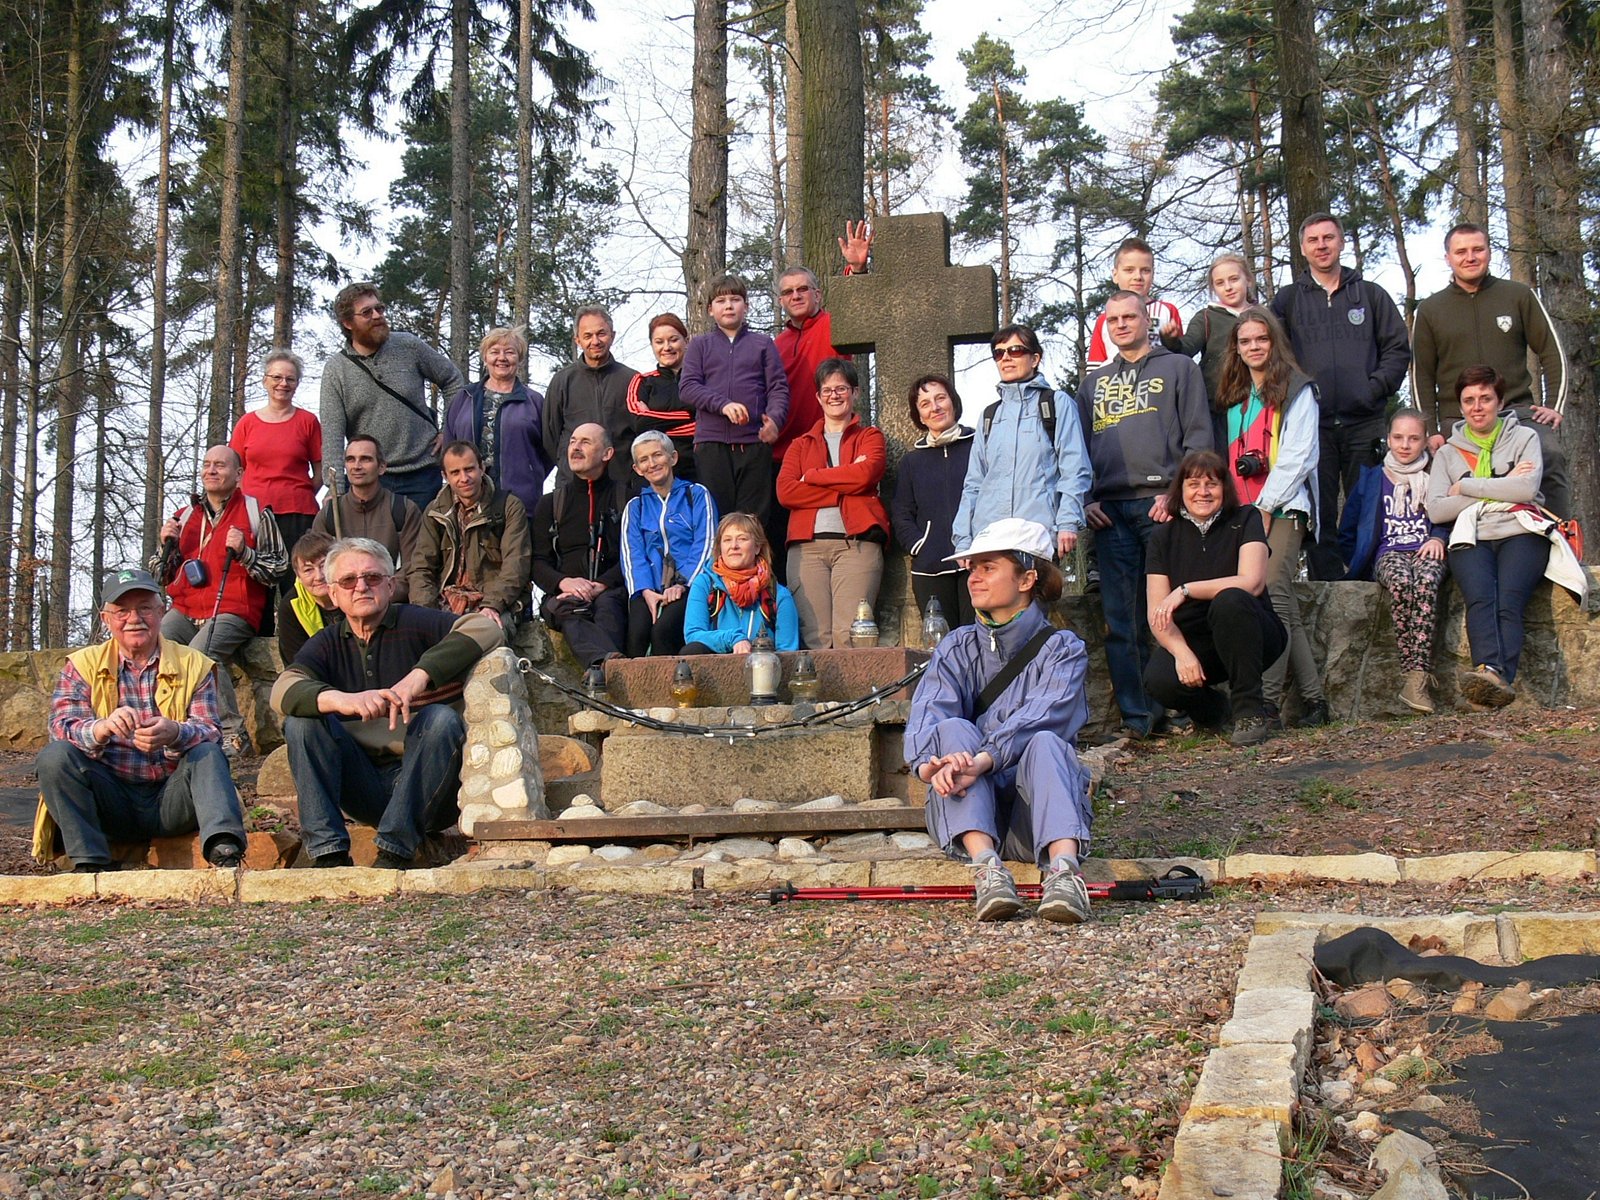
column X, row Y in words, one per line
column 372, row 310
column 835, row 392
column 348, row 583
column 785, row 293
column 1000, row 352
column 121, row 616
column 283, row 379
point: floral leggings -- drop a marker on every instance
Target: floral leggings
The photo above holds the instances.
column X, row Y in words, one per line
column 1413, row 586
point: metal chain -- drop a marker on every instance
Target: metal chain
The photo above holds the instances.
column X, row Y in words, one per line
column 731, row 732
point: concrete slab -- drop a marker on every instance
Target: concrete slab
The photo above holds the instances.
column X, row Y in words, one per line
column 786, row 767
column 1235, row 1158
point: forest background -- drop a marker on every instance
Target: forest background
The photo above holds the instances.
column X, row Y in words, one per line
column 185, row 183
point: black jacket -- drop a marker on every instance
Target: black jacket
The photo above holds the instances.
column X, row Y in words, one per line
column 926, row 493
column 1353, row 343
column 568, row 542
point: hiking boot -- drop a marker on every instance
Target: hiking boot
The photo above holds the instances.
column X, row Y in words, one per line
column 994, row 892
column 1065, row 899
column 95, row 868
column 388, row 860
column 226, row 855
column 235, row 746
column 1414, row 692
column 1485, row 686
column 1248, row 731
column 1271, row 714
column 1316, row 713
column 334, row 858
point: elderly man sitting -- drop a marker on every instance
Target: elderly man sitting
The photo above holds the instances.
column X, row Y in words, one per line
column 370, row 708
column 135, row 751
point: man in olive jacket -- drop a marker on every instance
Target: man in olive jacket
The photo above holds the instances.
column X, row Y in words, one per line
column 473, row 553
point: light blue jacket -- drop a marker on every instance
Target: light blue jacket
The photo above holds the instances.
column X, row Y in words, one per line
column 1015, row 472
column 683, row 525
column 733, row 624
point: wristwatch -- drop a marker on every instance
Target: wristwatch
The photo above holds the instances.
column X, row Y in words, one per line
column 1184, row 588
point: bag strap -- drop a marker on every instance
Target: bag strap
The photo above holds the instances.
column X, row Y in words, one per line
column 1047, row 413
column 397, row 511
column 1008, row 673
column 406, row 400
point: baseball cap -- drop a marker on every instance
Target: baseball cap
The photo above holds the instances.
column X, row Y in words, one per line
column 1010, row 534
column 118, row 584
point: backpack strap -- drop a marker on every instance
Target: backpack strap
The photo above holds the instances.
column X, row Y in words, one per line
column 1008, row 673
column 397, row 511
column 1047, row 413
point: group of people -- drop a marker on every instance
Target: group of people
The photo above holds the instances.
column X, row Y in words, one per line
column 1198, row 486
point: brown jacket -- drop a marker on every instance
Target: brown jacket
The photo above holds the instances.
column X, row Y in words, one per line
column 495, row 545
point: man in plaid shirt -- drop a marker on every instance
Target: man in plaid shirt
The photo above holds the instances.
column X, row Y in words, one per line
column 135, row 749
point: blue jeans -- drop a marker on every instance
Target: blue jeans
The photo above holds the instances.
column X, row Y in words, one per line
column 419, row 486
column 1121, row 550
column 1497, row 579
column 403, row 799
column 93, row 806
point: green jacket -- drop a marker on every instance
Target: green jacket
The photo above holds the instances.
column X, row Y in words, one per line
column 495, row 545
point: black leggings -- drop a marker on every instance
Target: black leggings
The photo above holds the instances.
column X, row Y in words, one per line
column 663, row 636
column 1236, row 636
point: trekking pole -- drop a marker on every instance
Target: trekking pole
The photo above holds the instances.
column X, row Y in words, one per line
column 1180, row 883
column 211, row 625
column 330, row 476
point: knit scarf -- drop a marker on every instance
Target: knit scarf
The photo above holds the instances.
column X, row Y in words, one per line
column 1484, row 467
column 940, row 439
column 746, row 586
column 1410, row 480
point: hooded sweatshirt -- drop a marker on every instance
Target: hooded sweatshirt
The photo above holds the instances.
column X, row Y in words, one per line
column 1453, row 464
column 1140, row 420
column 1352, row 342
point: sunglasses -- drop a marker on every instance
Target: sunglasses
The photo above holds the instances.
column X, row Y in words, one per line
column 372, row 310
column 348, row 583
column 1000, row 352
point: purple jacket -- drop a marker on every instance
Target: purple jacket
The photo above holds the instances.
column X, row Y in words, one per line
column 517, row 457
column 745, row 370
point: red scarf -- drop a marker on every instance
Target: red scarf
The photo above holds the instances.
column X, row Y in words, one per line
column 746, row 586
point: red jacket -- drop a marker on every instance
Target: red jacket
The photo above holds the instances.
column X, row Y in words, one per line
column 242, row 595
column 852, row 486
column 803, row 349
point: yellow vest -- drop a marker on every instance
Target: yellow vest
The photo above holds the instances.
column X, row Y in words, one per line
column 179, row 675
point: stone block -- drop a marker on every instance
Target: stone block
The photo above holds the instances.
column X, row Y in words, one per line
column 47, row 889
column 1238, row 1158
column 274, row 777
column 469, row 878
column 841, row 675
column 1412, row 1181
column 560, row 757
column 190, row 887
column 787, row 767
column 561, row 856
column 921, row 872
column 1343, row 868
column 758, row 874
column 1538, row 935
column 333, row 883
column 1108, row 870
column 1549, row 865
column 660, row 879
column 1255, row 1082
column 1462, row 933
column 1274, row 1016
column 1279, row 960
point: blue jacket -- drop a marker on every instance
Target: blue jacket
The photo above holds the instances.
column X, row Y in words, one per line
column 520, row 466
column 1015, row 472
column 1047, row 695
column 926, row 495
column 1361, row 527
column 684, row 526
column 734, row 624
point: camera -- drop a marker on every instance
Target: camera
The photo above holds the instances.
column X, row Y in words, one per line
column 1249, row 464
column 195, row 573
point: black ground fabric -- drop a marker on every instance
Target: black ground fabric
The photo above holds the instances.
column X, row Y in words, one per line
column 1537, row 1098
column 1372, row 956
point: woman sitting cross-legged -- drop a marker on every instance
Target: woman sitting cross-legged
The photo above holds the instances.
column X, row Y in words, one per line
column 993, row 726
column 735, row 599
column 666, row 538
column 1207, row 573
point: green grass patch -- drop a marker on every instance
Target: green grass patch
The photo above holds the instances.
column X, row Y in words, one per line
column 71, row 1018
column 1003, row 985
column 1317, row 794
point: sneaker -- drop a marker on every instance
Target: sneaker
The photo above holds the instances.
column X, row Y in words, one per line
column 994, row 892
column 1414, row 692
column 336, row 858
column 1248, row 731
column 226, row 855
column 387, row 860
column 1065, row 899
column 1091, row 581
column 1485, row 686
column 1316, row 713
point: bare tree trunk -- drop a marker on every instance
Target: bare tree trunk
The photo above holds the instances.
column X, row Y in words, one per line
column 1080, row 267
column 154, row 451
column 287, row 180
column 705, row 249
column 1263, row 203
column 835, row 120
column 1555, row 129
column 521, row 285
column 1473, row 206
column 28, row 563
column 241, row 344
column 1513, row 144
column 70, row 371
column 1005, row 205
column 460, row 178
column 230, row 234
column 100, row 534
column 775, row 162
column 794, row 224
column 10, row 405
column 1305, row 153
column 1391, row 202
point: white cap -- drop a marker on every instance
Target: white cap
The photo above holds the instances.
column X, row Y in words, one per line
column 1011, row 533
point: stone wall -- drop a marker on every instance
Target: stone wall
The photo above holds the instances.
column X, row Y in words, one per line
column 1349, row 623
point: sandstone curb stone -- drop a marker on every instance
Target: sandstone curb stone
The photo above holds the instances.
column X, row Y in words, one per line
column 1237, row 1158
column 467, row 879
column 921, row 872
column 1255, row 1082
column 1342, row 868
column 1538, row 935
column 754, row 874
column 1463, row 933
column 333, row 883
column 1109, row 870
column 1274, row 1016
column 1540, row 864
column 1279, row 960
column 192, row 887
column 46, row 889
column 620, row 879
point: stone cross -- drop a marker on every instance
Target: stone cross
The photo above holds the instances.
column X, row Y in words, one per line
column 910, row 313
